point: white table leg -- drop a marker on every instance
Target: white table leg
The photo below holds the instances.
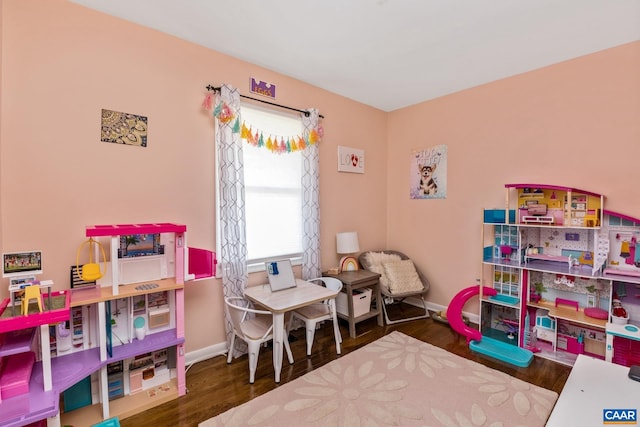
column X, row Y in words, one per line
column 278, row 342
column 336, row 328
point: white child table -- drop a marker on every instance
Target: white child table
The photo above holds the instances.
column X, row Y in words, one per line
column 593, row 386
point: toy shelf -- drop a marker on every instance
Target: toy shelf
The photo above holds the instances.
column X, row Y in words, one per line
column 620, row 277
column 502, row 299
column 560, row 268
column 569, row 313
column 16, row 342
column 151, row 342
column 544, row 257
column 105, row 293
column 17, row 322
column 123, row 408
column 552, row 188
column 556, row 265
column 500, row 261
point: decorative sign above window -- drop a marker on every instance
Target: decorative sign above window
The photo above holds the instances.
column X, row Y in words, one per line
column 263, row 88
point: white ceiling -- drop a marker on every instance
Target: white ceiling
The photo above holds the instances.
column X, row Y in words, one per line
column 391, row 53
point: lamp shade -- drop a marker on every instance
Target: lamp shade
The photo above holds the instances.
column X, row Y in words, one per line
column 347, row 242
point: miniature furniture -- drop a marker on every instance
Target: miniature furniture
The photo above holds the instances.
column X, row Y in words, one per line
column 313, row 314
column 399, row 280
column 16, row 374
column 281, row 302
column 593, row 387
column 15, row 288
column 31, row 292
column 254, row 327
column 352, row 282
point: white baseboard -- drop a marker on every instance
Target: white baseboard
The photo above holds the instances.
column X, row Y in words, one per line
column 473, row 317
column 202, row 354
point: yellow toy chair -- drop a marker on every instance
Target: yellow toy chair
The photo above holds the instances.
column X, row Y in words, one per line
column 31, row 292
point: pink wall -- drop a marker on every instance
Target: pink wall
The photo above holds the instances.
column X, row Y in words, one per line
column 63, row 63
column 576, row 124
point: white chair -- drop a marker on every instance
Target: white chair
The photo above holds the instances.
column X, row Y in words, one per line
column 312, row 314
column 253, row 326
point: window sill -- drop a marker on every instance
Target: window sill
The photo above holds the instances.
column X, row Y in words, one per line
column 258, row 267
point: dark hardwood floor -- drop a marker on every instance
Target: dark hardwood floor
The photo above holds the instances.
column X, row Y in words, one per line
column 214, row 387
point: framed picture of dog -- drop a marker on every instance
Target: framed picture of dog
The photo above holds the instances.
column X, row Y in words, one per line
column 428, row 173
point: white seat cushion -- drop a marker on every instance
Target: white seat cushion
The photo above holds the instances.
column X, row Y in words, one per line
column 313, row 311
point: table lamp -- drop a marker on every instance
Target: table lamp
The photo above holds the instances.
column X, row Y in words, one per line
column 347, row 243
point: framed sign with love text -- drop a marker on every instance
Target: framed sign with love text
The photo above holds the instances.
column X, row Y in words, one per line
column 350, row 160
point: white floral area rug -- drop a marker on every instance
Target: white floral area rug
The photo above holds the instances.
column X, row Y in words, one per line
column 397, row 381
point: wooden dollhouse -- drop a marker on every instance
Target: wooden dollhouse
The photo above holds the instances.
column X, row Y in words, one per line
column 558, row 260
column 89, row 357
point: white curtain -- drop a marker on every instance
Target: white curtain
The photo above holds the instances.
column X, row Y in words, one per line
column 311, row 267
column 233, row 256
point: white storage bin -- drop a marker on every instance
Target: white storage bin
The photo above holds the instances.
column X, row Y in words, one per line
column 361, row 302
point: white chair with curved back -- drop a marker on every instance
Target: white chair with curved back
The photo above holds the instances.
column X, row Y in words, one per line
column 253, row 326
column 313, row 314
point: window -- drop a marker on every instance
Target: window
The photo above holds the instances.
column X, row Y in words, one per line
column 273, row 189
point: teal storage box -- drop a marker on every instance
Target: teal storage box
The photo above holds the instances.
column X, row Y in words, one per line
column 497, row 216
